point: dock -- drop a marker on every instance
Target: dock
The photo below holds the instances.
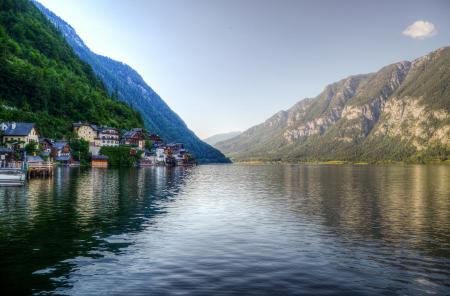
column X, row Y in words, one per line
column 40, row 170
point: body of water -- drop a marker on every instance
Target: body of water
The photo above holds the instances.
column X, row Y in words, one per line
column 229, row 230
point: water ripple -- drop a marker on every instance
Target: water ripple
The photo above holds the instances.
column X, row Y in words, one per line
column 230, row 230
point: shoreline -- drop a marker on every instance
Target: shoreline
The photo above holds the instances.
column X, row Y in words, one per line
column 344, row 162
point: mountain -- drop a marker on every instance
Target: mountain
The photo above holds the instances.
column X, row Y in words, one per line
column 221, row 137
column 400, row 113
column 126, row 84
column 42, row 80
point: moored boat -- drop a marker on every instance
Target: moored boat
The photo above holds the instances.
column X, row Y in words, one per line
column 12, row 177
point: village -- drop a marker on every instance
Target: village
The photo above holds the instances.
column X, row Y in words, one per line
column 22, row 147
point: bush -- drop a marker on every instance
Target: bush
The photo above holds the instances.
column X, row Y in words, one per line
column 120, row 156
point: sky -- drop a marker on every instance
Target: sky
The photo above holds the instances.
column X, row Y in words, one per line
column 226, row 65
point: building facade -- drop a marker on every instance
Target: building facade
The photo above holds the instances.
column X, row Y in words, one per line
column 134, row 138
column 86, row 131
column 108, row 136
column 60, row 150
column 18, row 134
column 160, row 155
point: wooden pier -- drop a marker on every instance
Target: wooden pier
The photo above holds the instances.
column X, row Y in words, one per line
column 40, row 170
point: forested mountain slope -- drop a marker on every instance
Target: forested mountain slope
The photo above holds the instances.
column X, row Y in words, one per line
column 125, row 83
column 401, row 112
column 42, row 80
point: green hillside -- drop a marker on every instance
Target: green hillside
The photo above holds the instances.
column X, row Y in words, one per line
column 42, row 80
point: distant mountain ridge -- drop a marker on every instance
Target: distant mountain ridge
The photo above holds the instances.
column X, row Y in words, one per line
column 127, row 85
column 401, row 112
column 221, row 137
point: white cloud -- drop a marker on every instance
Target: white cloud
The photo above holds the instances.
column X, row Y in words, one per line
column 420, row 30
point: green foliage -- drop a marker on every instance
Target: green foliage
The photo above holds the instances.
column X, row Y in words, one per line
column 31, row 147
column 79, row 149
column 148, row 144
column 42, row 80
column 120, row 156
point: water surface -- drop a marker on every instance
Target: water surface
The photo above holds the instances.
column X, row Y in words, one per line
column 229, row 230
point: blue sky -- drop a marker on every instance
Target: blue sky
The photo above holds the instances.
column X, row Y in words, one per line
column 226, row 65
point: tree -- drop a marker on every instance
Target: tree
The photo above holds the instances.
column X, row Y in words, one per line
column 80, row 151
column 32, row 147
column 148, row 144
column 121, row 156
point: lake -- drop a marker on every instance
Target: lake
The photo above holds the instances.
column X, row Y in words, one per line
column 229, row 230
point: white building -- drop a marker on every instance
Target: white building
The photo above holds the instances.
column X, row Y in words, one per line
column 97, row 136
column 108, row 136
column 160, row 155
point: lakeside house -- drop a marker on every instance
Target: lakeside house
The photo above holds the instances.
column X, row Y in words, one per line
column 97, row 136
column 135, row 138
column 46, row 145
column 157, row 154
column 107, row 136
column 177, row 150
column 18, row 134
column 176, row 154
column 89, row 133
column 156, row 140
column 160, row 155
column 58, row 151
column 86, row 131
column 61, row 152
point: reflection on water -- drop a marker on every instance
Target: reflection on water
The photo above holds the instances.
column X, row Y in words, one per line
column 51, row 220
column 230, row 229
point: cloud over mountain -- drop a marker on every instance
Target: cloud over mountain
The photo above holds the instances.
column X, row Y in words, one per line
column 420, row 30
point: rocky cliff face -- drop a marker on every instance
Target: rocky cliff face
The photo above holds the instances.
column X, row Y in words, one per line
column 400, row 112
column 408, row 119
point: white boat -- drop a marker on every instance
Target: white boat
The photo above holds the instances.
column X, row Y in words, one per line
column 12, row 177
